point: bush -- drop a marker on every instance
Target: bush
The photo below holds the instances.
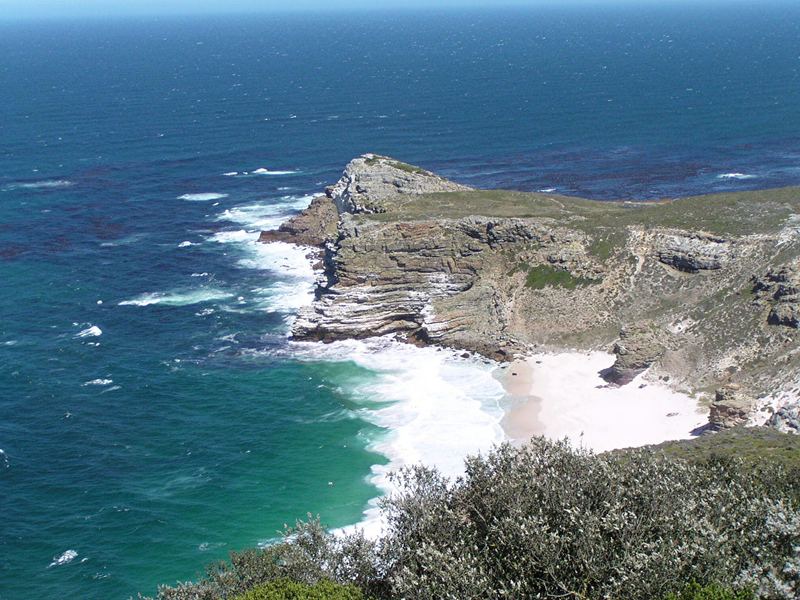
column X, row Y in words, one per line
column 286, row 589
column 549, row 521
column 695, row 591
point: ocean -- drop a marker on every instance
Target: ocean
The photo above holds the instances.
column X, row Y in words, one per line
column 153, row 414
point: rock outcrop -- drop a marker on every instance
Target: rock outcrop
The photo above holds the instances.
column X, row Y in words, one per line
column 371, row 183
column 315, row 226
column 419, row 279
column 730, row 408
column 692, row 252
column 636, row 350
column 780, row 289
column 786, row 419
column 407, row 252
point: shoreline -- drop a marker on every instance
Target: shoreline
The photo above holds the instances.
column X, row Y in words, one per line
column 561, row 395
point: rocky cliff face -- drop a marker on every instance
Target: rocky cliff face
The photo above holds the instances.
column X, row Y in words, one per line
column 702, row 292
column 374, row 184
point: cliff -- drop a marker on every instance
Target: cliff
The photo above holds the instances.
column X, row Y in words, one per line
column 704, row 292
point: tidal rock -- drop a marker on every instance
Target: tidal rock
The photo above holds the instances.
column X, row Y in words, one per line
column 731, row 407
column 786, row 419
column 370, row 182
column 315, row 226
column 637, row 349
column 692, row 252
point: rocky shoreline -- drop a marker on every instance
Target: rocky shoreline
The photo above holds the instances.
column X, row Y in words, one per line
column 702, row 294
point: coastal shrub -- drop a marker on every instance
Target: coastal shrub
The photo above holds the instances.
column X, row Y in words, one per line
column 548, row 521
column 286, row 589
column 544, row 276
column 308, row 555
column 695, row 591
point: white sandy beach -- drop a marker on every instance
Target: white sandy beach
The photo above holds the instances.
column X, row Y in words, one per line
column 562, row 395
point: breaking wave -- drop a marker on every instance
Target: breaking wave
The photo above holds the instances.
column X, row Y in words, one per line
column 207, row 197
column 178, row 297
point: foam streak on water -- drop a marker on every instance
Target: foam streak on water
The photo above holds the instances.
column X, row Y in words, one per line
column 290, row 269
column 435, row 406
column 178, row 297
column 420, row 397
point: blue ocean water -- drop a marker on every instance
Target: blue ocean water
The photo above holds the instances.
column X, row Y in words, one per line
column 152, row 414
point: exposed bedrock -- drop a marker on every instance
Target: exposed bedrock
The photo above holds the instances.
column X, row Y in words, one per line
column 315, row 226
column 780, row 289
column 786, row 419
column 697, row 292
column 637, row 349
column 731, row 407
column 370, row 181
column 420, row 279
column 692, row 252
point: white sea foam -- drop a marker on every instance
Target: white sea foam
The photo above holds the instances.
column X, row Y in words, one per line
column 47, row 184
column 98, row 382
column 736, row 176
column 91, row 331
column 125, row 241
column 549, row 190
column 205, row 197
column 231, row 174
column 419, row 396
column 287, row 262
column 437, row 407
column 67, row 557
column 284, row 296
column 265, row 215
column 178, row 297
column 263, row 171
column 185, row 244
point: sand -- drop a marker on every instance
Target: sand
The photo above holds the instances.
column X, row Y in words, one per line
column 562, row 395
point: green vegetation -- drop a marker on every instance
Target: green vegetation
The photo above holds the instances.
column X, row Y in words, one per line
column 737, row 213
column 286, row 589
column 695, row 591
column 406, row 167
column 396, row 164
column 607, row 243
column 544, row 276
column 549, row 521
column 751, row 445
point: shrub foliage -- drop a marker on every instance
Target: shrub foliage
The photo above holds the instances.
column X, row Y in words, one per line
column 549, row 521
column 286, row 589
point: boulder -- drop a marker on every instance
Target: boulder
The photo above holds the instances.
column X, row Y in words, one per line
column 780, row 290
column 692, row 252
column 731, row 407
column 786, row 419
column 637, row 349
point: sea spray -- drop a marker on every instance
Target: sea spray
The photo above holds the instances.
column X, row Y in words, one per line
column 435, row 406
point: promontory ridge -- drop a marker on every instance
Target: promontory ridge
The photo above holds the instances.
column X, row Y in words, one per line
column 702, row 293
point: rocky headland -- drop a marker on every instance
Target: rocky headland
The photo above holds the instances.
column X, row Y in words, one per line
column 702, row 294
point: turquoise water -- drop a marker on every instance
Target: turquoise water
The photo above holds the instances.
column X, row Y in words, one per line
column 153, row 415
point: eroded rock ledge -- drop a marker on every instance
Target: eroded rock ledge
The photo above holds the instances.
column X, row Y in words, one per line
column 702, row 293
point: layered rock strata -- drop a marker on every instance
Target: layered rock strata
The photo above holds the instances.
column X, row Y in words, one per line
column 704, row 290
column 730, row 408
